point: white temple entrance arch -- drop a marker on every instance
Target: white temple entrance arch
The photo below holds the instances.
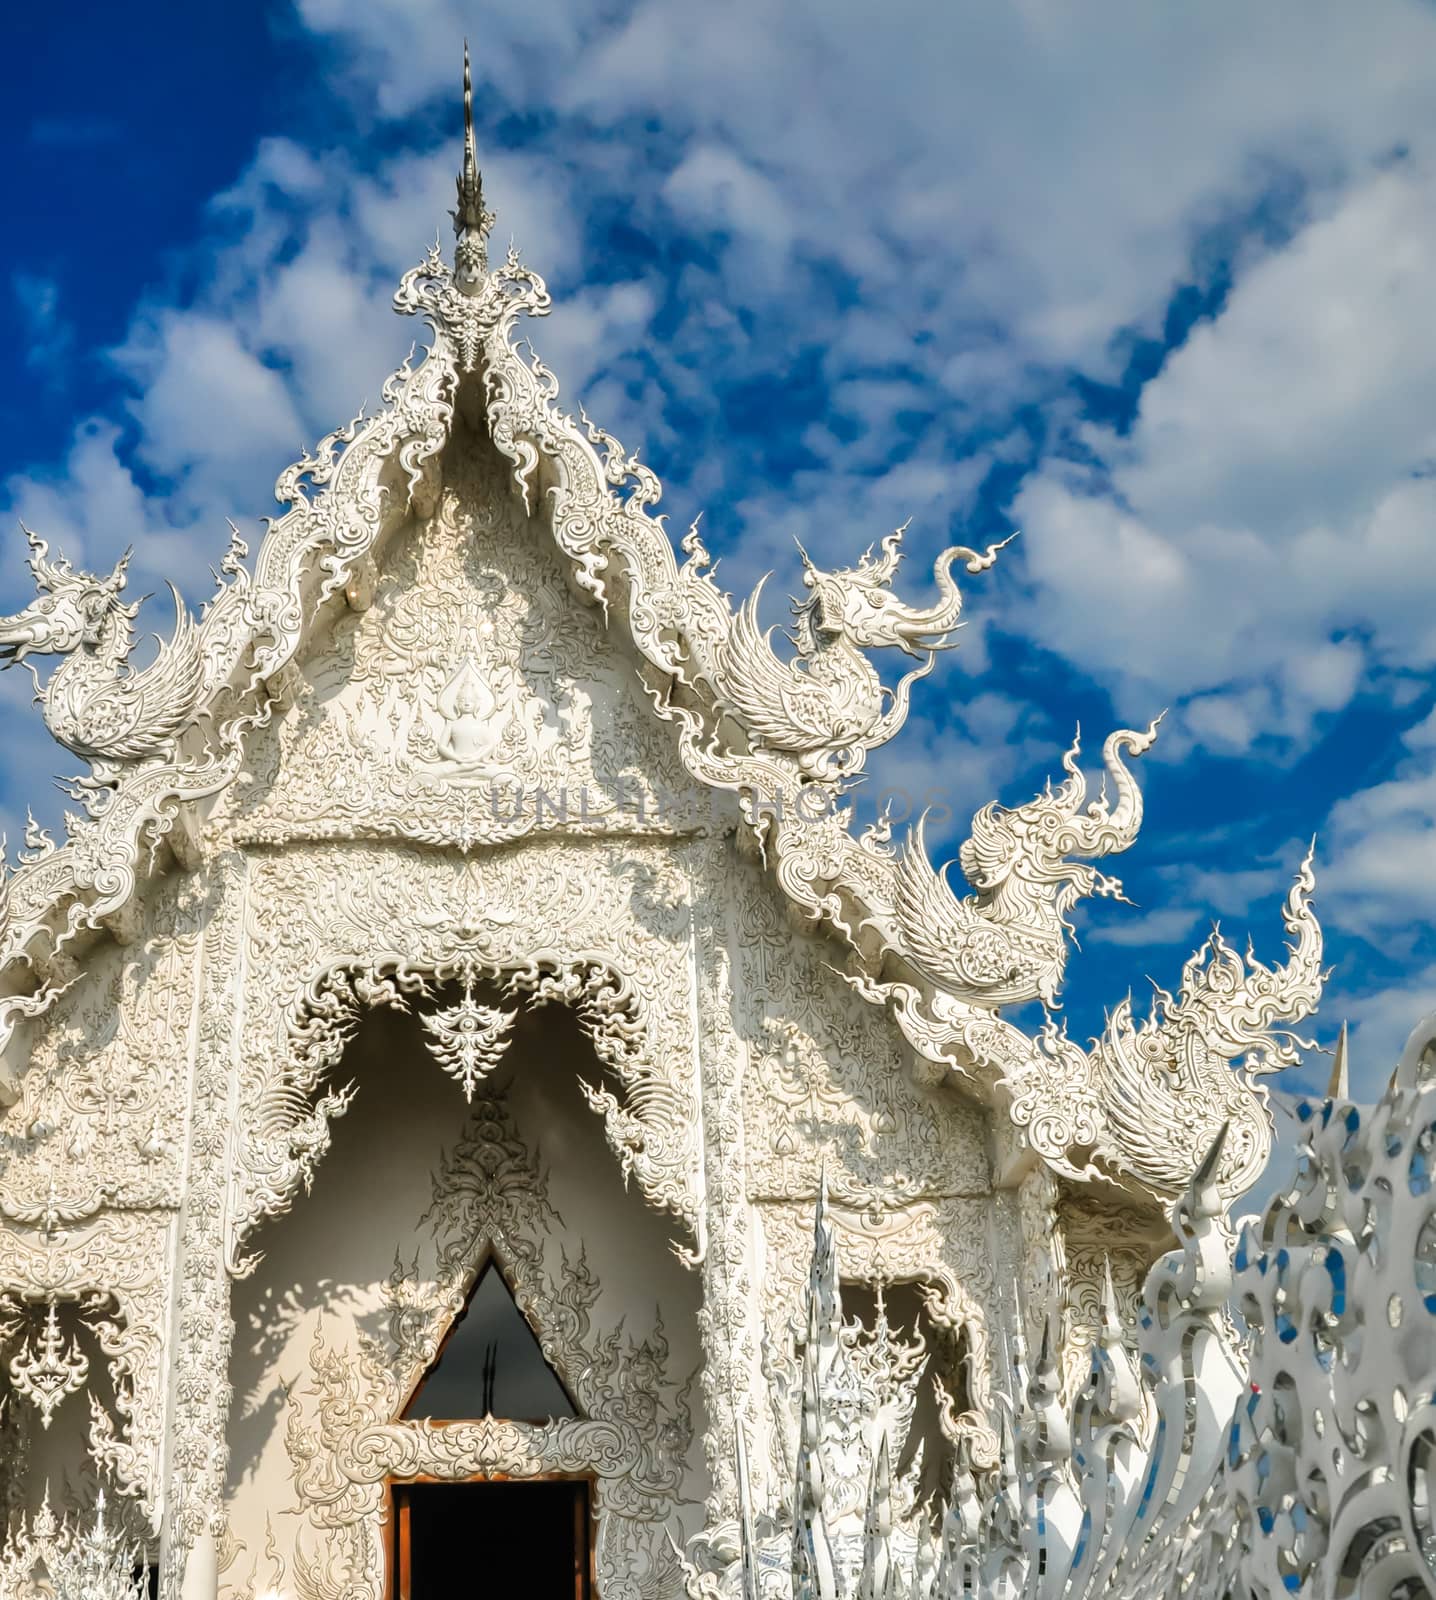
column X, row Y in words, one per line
column 367, row 1275
column 602, row 928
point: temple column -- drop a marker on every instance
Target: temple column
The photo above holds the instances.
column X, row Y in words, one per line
column 201, row 1326
column 731, row 1372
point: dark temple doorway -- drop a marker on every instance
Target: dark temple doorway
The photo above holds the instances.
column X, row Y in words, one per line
column 454, row 1541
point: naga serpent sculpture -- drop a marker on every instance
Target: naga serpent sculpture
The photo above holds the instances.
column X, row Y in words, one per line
column 95, row 703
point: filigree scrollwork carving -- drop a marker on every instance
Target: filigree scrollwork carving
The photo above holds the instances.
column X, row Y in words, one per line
column 47, row 1367
column 471, row 702
column 829, row 707
column 1007, row 941
column 1166, row 1085
column 106, row 1079
column 1331, row 1457
column 542, row 924
column 95, row 703
column 468, row 1040
column 932, row 1245
column 106, row 1281
column 1125, row 1107
column 869, row 1378
column 1125, row 1491
column 71, row 1558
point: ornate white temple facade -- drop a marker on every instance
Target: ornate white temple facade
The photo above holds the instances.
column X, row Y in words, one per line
column 460, row 991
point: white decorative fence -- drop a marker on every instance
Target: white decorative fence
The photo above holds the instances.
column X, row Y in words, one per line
column 1273, row 1436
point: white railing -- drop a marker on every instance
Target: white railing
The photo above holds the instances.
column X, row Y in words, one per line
column 1273, row 1435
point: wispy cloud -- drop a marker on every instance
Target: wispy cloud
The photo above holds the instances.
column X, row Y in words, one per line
column 1166, row 925
column 49, row 337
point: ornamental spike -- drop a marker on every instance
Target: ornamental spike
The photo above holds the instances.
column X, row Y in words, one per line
column 747, row 1542
column 468, row 183
column 471, row 220
column 1111, row 1313
column 1017, row 1355
column 1339, row 1087
column 1206, row 1172
column 116, row 579
column 45, row 572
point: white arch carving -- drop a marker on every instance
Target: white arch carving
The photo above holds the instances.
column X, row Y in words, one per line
column 380, row 925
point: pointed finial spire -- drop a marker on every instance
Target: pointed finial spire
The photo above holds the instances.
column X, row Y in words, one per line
column 470, row 161
column 1050, row 1350
column 1206, row 1171
column 1340, row 1086
column 747, row 1541
column 471, row 221
column 1111, row 1313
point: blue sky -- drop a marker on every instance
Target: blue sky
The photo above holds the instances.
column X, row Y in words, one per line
column 1151, row 284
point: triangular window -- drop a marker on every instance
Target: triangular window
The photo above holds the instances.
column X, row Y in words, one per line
column 490, row 1365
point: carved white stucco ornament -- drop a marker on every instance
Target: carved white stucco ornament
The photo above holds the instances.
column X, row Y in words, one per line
column 1291, row 1458
column 469, row 721
column 48, row 1367
column 60, row 1558
column 96, row 705
column 829, row 707
column 468, row 1039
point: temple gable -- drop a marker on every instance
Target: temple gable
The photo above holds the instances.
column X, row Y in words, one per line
column 466, row 694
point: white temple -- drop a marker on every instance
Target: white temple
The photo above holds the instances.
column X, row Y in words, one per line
column 478, row 1116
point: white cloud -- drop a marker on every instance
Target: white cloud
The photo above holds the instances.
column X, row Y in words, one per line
column 714, row 188
column 1229, row 891
column 929, row 143
column 1297, row 408
column 592, row 331
column 1381, row 1022
column 1382, row 845
column 208, row 405
column 1265, row 510
column 1165, row 925
column 950, row 768
column 91, row 506
column 1422, row 735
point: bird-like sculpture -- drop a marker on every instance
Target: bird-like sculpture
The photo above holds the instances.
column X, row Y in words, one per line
column 1153, row 1075
column 828, row 707
column 1007, row 941
column 95, row 703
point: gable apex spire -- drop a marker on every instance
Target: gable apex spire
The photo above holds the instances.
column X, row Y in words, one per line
column 471, row 220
